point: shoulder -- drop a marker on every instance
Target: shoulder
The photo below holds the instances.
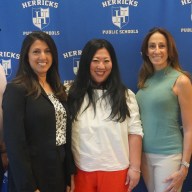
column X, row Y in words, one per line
column 130, row 96
column 14, row 95
column 12, row 85
column 183, row 80
column 15, row 89
column 130, row 93
column 183, row 83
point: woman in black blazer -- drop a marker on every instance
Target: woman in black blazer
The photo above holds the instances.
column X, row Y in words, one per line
column 37, row 126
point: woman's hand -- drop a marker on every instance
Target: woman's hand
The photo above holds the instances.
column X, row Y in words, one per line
column 133, row 177
column 176, row 180
column 72, row 187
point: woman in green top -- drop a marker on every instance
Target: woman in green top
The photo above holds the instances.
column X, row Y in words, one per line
column 165, row 94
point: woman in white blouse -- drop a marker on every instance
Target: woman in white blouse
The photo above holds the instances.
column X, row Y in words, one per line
column 106, row 129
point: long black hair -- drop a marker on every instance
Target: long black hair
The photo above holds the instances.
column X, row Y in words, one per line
column 28, row 78
column 83, row 84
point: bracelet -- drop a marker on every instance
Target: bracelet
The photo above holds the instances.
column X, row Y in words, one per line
column 134, row 169
column 185, row 164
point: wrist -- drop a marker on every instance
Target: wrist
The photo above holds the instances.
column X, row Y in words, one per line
column 135, row 169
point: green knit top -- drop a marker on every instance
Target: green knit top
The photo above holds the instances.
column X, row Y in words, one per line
column 160, row 113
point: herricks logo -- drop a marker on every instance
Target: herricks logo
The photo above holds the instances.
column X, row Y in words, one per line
column 6, row 60
column 120, row 16
column 189, row 28
column 41, row 17
column 73, row 58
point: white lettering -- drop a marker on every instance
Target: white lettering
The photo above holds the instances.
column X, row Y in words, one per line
column 186, row 30
column 10, row 55
column 72, row 53
column 40, row 2
column 120, row 2
column 185, row 2
column 110, row 32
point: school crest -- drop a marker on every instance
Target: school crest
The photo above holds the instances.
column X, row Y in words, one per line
column 75, row 65
column 41, row 17
column 7, row 66
column 120, row 16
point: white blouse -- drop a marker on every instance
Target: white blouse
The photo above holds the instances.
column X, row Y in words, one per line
column 102, row 144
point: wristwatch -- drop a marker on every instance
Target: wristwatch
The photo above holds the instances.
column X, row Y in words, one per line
column 186, row 164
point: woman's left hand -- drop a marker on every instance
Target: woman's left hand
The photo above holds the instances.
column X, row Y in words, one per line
column 132, row 180
column 176, row 180
column 69, row 189
column 72, row 187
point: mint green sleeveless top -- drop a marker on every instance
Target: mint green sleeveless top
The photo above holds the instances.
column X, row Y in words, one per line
column 160, row 113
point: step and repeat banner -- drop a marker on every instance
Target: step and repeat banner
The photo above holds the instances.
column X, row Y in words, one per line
column 72, row 23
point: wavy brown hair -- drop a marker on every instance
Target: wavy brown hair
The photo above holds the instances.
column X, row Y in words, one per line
column 147, row 69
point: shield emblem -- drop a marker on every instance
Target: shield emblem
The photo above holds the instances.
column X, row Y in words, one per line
column 75, row 65
column 7, row 66
column 40, row 17
column 120, row 16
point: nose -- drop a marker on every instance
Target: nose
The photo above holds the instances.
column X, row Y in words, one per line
column 101, row 65
column 42, row 55
column 157, row 49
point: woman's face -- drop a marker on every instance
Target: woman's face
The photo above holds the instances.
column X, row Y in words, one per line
column 101, row 66
column 40, row 58
column 157, row 51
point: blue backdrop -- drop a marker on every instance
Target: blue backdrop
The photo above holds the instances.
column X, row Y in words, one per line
column 73, row 22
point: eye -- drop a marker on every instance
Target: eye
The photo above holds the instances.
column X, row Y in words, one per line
column 36, row 52
column 107, row 61
column 95, row 61
column 47, row 51
column 162, row 46
column 152, row 46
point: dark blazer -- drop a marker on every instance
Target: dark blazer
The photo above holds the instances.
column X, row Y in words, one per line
column 30, row 138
